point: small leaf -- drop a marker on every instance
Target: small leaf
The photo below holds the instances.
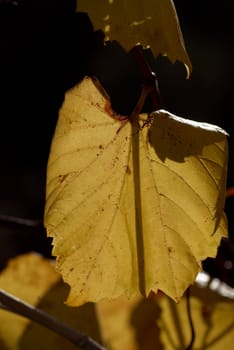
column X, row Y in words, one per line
column 132, row 207
column 150, row 22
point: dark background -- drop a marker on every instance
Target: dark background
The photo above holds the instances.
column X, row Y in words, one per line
column 45, row 48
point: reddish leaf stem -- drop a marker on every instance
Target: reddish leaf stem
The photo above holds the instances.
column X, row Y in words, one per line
column 149, row 77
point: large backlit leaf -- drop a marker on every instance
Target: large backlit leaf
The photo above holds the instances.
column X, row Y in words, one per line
column 150, row 22
column 132, row 208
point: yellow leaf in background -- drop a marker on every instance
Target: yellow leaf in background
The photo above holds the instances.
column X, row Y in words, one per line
column 115, row 322
column 130, row 324
column 25, row 277
column 159, row 323
column 33, row 279
column 132, row 209
column 149, row 22
column 212, row 316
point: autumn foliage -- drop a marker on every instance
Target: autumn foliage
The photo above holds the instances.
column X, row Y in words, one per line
column 134, row 205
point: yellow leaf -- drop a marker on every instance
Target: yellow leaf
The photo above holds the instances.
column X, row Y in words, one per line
column 114, row 320
column 150, row 22
column 132, row 208
column 212, row 316
column 159, row 323
column 25, row 277
column 130, row 324
column 33, row 279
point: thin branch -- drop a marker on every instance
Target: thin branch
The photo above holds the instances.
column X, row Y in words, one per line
column 15, row 220
column 190, row 346
column 10, row 303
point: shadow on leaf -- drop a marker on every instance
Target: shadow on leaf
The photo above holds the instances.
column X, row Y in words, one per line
column 177, row 138
column 143, row 319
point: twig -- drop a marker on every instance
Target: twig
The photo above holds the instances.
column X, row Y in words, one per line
column 190, row 346
column 10, row 303
column 15, row 220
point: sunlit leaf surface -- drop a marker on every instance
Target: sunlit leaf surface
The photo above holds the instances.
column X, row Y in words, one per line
column 132, row 207
column 149, row 22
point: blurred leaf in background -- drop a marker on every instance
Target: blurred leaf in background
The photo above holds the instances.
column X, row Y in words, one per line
column 33, row 279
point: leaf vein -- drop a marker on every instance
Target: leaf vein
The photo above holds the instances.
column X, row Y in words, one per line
column 159, row 205
column 186, row 183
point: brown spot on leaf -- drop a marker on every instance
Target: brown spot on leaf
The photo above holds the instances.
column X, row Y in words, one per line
column 206, row 313
column 128, row 170
column 62, row 178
